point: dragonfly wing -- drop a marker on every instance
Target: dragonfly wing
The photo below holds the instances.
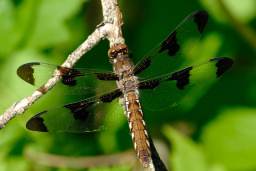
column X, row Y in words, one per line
column 74, row 81
column 183, row 80
column 192, row 26
column 32, row 73
column 83, row 116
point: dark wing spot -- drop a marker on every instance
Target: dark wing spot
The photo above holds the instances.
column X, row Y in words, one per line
column 201, row 19
column 69, row 75
column 144, row 64
column 182, row 77
column 79, row 110
column 26, row 72
column 170, row 44
column 36, row 123
column 222, row 65
column 107, row 76
column 111, row 96
column 68, row 80
column 151, row 84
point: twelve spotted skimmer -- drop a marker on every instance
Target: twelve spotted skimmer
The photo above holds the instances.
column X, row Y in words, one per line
column 83, row 115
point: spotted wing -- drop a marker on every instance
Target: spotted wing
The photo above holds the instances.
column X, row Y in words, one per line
column 30, row 72
column 82, row 116
column 182, row 80
column 74, row 81
column 192, row 26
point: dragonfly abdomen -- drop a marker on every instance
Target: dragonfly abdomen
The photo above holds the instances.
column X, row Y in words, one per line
column 137, row 128
column 127, row 83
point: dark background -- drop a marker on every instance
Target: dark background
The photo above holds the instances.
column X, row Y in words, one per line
column 212, row 128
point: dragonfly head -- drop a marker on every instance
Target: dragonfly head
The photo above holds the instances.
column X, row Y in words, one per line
column 117, row 50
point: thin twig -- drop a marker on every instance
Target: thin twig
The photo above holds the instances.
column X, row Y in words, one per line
column 110, row 29
column 248, row 34
column 52, row 160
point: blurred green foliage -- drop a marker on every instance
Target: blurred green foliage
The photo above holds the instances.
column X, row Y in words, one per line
column 222, row 114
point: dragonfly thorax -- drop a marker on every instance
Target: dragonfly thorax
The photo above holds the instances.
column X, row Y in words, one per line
column 128, row 84
column 123, row 67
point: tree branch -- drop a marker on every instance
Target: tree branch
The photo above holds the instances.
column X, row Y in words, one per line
column 248, row 34
column 52, row 160
column 110, row 29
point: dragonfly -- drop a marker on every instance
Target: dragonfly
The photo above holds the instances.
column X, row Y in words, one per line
column 84, row 115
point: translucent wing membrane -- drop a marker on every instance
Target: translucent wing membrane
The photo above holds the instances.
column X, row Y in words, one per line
column 191, row 75
column 88, row 115
column 182, row 77
column 28, row 72
column 82, row 116
column 192, row 25
column 74, row 81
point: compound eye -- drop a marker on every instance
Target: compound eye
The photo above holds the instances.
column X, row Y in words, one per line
column 117, row 49
column 112, row 53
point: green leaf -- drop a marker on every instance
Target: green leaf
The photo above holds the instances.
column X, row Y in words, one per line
column 36, row 24
column 230, row 139
column 244, row 11
column 186, row 154
column 217, row 167
column 7, row 21
column 49, row 28
column 13, row 164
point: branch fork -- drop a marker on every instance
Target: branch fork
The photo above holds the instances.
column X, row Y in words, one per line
column 110, row 29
